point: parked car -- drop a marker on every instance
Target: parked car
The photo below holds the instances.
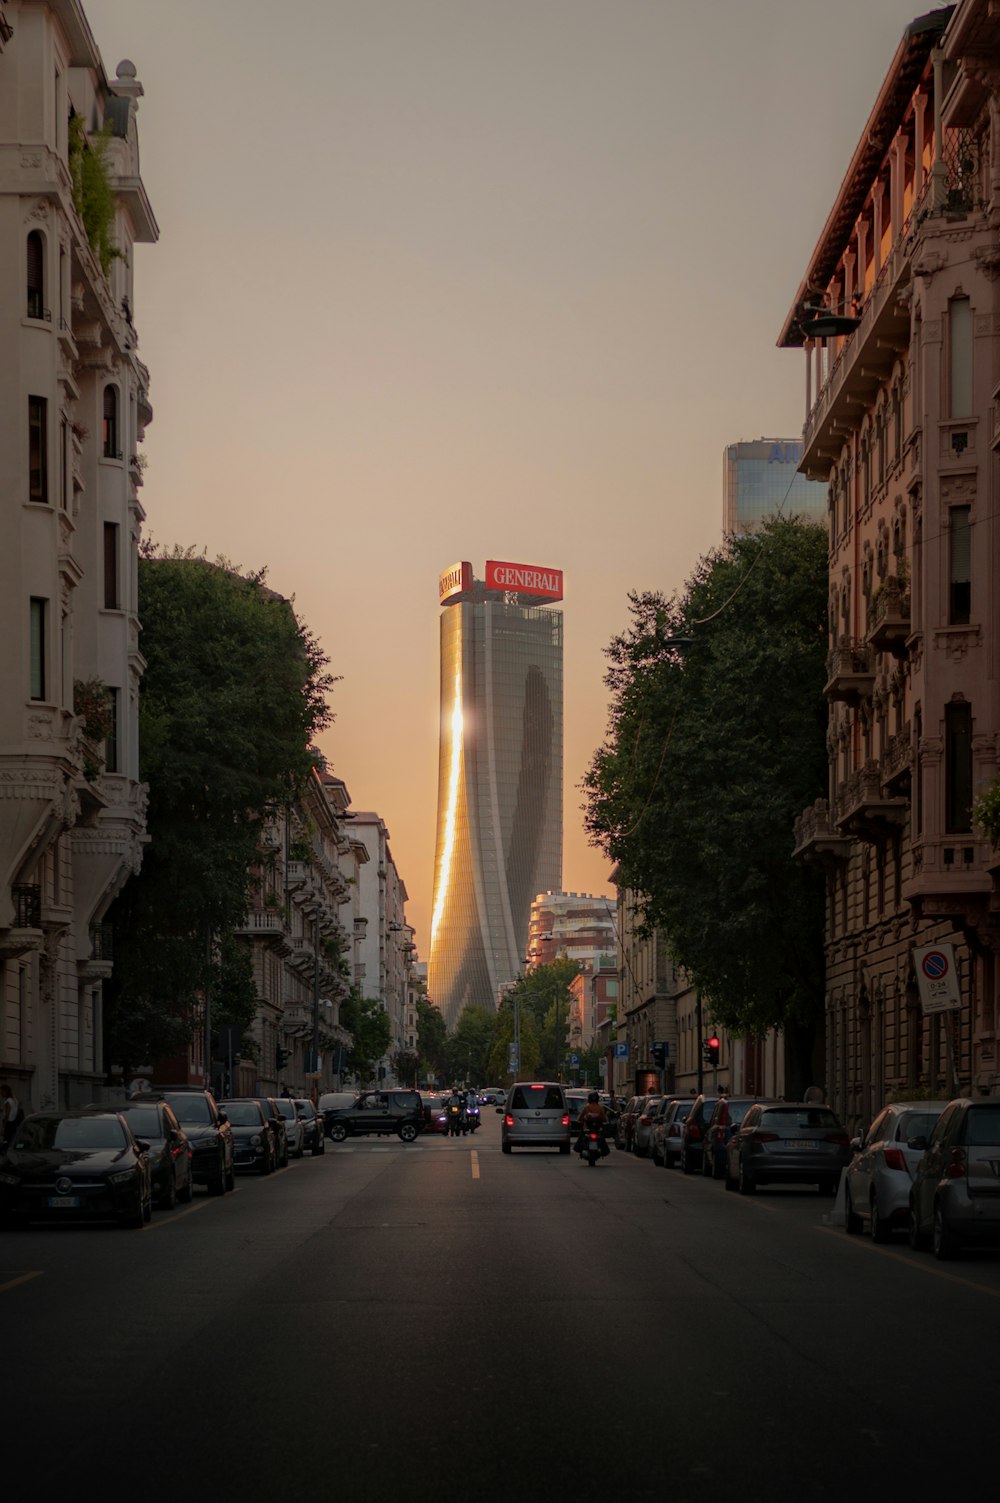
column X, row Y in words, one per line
column 725, row 1119
column 535, row 1117
column 208, row 1132
column 672, row 1131
column 75, row 1165
column 879, row 1178
column 276, row 1124
column 693, row 1132
column 170, row 1156
column 643, row 1126
column 955, row 1197
column 787, row 1142
column 396, row 1111
column 312, row 1123
column 656, row 1131
column 295, row 1133
column 253, row 1142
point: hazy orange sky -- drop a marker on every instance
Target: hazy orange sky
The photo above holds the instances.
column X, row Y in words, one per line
column 444, row 279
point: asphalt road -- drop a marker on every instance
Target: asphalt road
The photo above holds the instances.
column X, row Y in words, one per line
column 441, row 1318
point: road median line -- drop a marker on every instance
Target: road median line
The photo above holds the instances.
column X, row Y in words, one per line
column 474, row 1158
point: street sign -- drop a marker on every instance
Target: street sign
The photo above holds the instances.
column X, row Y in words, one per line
column 621, row 1051
column 665, row 1046
column 513, row 1057
column 937, row 978
column 574, row 1059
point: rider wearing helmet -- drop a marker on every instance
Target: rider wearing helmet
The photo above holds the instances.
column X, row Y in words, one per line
column 592, row 1115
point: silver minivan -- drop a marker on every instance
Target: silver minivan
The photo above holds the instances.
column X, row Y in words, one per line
column 536, row 1116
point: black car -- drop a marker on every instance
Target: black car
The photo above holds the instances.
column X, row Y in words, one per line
column 73, row 1165
column 276, row 1125
column 253, row 1144
column 399, row 1111
column 208, row 1133
column 170, row 1155
column 312, row 1120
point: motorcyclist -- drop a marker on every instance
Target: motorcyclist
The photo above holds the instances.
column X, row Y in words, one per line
column 457, row 1098
column 592, row 1115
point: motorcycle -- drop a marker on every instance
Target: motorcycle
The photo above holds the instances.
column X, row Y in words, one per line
column 456, row 1119
column 472, row 1115
column 593, row 1144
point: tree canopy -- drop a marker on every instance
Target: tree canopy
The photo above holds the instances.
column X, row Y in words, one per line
column 715, row 743
column 231, row 699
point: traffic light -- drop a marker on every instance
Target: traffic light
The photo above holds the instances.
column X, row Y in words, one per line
column 281, row 1058
column 710, row 1049
column 659, row 1056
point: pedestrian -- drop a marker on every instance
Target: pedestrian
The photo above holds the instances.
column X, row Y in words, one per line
column 12, row 1116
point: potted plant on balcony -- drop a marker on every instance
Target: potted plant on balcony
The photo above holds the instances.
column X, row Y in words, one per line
column 986, row 812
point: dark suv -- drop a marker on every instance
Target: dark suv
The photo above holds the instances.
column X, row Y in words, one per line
column 209, row 1134
column 395, row 1110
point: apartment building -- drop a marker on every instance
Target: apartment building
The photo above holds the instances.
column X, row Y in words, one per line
column 898, row 313
column 74, row 406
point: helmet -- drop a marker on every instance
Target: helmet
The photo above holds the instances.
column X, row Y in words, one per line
column 593, row 1096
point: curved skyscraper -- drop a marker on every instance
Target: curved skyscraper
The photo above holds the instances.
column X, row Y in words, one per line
column 499, row 825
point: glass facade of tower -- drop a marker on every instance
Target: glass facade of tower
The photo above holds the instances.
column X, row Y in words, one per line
column 762, row 478
column 499, row 829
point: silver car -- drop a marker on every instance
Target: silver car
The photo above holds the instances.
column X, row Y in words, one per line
column 956, row 1188
column 879, row 1178
column 536, row 1116
column 295, row 1129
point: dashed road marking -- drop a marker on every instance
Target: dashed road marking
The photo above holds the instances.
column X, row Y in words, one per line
column 474, row 1157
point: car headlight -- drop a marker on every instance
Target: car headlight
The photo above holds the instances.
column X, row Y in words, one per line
column 122, row 1177
column 255, row 1140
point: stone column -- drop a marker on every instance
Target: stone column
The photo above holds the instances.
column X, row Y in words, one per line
column 878, row 191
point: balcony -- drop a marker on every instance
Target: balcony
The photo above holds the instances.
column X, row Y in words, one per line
column 863, row 810
column 951, row 878
column 26, row 933
column 817, row 840
column 297, row 873
column 897, row 761
column 890, row 618
column 264, row 924
column 850, row 671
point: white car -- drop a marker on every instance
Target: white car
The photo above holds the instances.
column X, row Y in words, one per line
column 878, row 1180
column 295, row 1128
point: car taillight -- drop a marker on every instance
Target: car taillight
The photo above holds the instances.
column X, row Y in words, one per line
column 957, row 1166
column 893, row 1158
column 840, row 1138
column 693, row 1132
column 763, row 1137
column 565, row 1120
column 644, row 1120
column 593, row 1137
column 508, row 1121
column 674, row 1132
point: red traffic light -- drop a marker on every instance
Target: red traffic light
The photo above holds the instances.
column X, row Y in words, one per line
column 713, row 1042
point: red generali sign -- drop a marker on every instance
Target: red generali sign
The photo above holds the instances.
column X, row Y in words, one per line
column 454, row 581
column 525, row 579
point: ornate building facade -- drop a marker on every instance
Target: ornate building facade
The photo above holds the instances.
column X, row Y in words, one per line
column 899, row 316
column 74, row 406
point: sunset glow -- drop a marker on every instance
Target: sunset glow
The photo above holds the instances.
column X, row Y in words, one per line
column 454, row 774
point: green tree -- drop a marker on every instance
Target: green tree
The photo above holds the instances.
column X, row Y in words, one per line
column 713, row 748
column 232, row 696
column 367, row 1021
column 406, row 1065
column 497, row 1070
column 432, row 1035
column 468, row 1049
column 543, row 996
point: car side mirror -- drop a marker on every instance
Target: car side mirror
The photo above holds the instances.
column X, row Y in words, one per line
column 918, row 1143
column 856, row 1144
column 142, row 1145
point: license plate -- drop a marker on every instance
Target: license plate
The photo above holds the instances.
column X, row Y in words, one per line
column 63, row 1202
column 802, row 1143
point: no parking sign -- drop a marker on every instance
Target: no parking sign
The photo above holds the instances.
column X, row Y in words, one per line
column 937, row 978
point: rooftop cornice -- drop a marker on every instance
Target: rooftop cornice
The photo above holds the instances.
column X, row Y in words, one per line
column 899, row 86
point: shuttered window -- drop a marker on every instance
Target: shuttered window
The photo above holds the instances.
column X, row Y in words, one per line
column 958, row 768
column 36, row 276
column 960, row 566
column 38, row 473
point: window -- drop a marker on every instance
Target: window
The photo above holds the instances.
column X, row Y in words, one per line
column 36, row 277
column 38, row 470
column 960, row 357
column 111, row 601
column 37, row 648
column 960, row 566
column 111, row 450
column 111, row 751
column 958, row 767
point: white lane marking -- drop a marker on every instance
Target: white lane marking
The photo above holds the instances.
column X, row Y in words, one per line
column 474, row 1157
column 885, row 1252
